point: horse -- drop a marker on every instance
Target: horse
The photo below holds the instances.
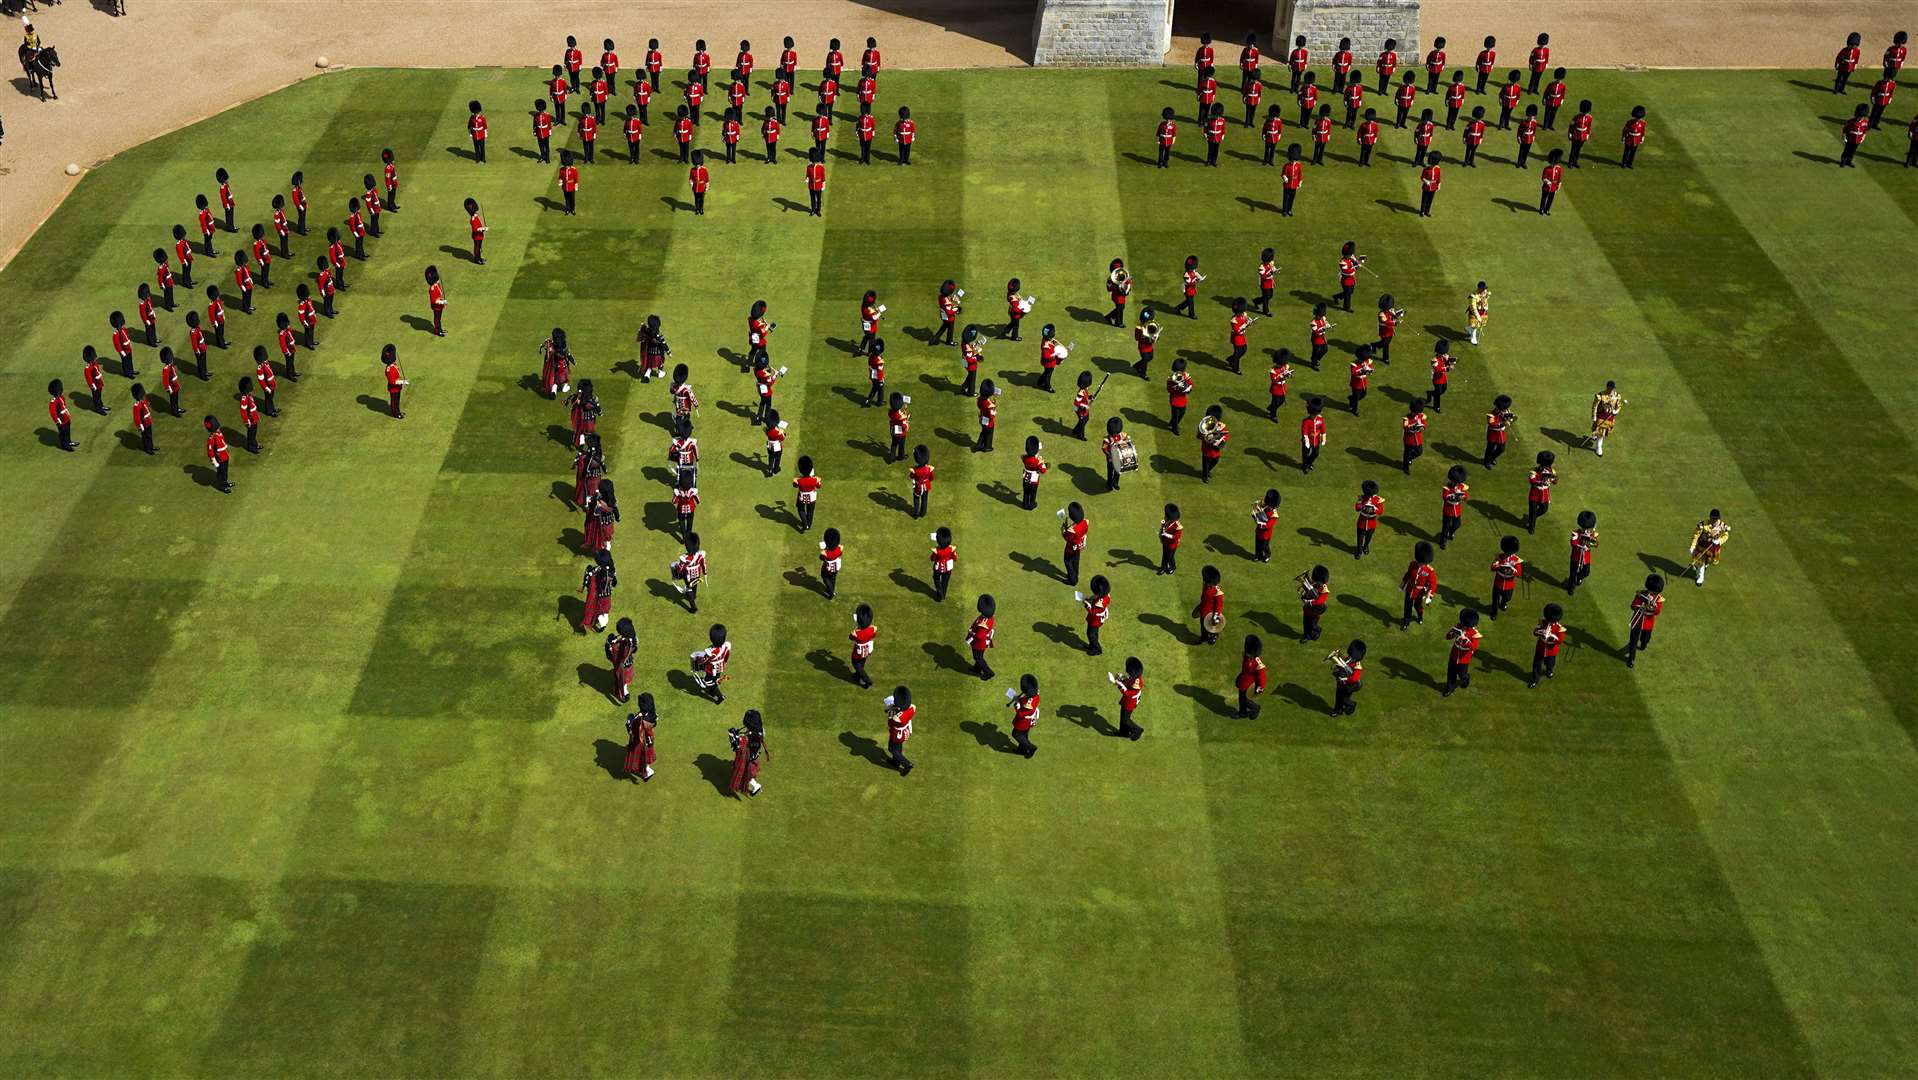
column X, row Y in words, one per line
column 38, row 65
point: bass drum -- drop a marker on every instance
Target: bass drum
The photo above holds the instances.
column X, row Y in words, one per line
column 1125, row 456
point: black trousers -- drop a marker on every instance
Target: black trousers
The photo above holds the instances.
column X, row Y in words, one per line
column 1362, row 540
column 905, row 153
column 1079, row 428
column 1309, row 623
column 1285, row 201
column 1211, row 152
column 1840, row 81
column 99, row 405
column 632, row 153
column 765, row 406
column 1534, row 511
column 699, row 204
column 1271, row 152
column 392, row 201
column 772, row 153
column 1030, row 496
column 1365, row 154
column 1342, row 702
column 1425, row 203
column 1207, row 463
column 1636, row 641
column 199, row 364
column 1399, row 120
column 1410, row 453
column 1448, row 528
column 899, row 760
column 1352, row 399
column 1178, row 417
column 941, row 581
column 1504, row 117
column 1168, row 559
column 311, row 328
column 1071, row 559
column 865, row 151
column 1276, row 402
column 253, row 438
column 1501, row 599
column 945, row 332
column 1318, row 354
column 1543, row 666
column 1165, row 154
column 1483, row 76
column 1238, row 353
column 979, row 665
column 805, row 514
column 1435, row 395
column 393, row 404
column 1493, row 451
column 1457, row 677
column 859, row 672
column 1471, row 155
column 1309, row 457
column 1318, row 153
column 984, row 445
column 173, row 403
column 1045, row 371
column 1261, row 547
column 875, row 394
column 1578, row 147
column 1265, row 301
column 1247, row 707
column 66, row 436
column 479, row 151
column 815, row 197
column 1575, row 575
column 1011, row 332
column 1128, row 728
column 1093, row 648
column 1845, row 156
column 831, row 582
column 919, row 501
column 1628, row 156
column 1524, row 153
column 1345, row 296
column 266, row 402
column 1551, row 116
column 1545, row 197
column 206, row 243
column 220, row 478
column 569, row 196
column 1431, row 82
column 146, row 439
column 1451, row 118
column 1413, row 612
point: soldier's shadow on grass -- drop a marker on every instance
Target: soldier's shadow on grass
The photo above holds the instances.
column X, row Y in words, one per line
column 748, row 461
column 1563, row 438
column 1271, row 459
column 800, row 579
column 851, row 395
column 829, row 663
column 666, row 591
column 946, row 657
column 1300, row 696
column 1365, row 607
column 717, row 771
column 1321, row 538
column 460, row 253
column 999, row 492
column 547, row 203
column 777, row 513
column 1087, row 315
column 891, row 500
column 1256, row 205
column 1033, row 564
column 1658, row 564
column 573, row 540
column 560, row 434
column 1392, row 204
column 1141, row 418
column 611, row 757
column 1206, row 698
column 990, row 737
column 956, row 438
column 1180, row 632
column 1053, row 427
column 1371, row 457
column 864, row 748
column 912, row 584
column 1495, row 662
column 1085, row 479
column 1220, row 543
column 1494, row 512
column 786, row 204
column 1405, row 528
column 202, row 475
column 869, row 446
column 1058, row 635
column 736, row 359
column 1127, row 557
column 1172, row 466
column 744, row 412
column 675, row 205
column 1087, row 717
column 571, row 610
column 1515, row 206
column 417, row 323
column 1452, row 452
column 1396, row 668
column 598, row 679
column 657, row 516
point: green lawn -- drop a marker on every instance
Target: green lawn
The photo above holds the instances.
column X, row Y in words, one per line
column 318, row 778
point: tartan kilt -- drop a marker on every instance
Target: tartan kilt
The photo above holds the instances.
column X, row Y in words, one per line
column 639, row 756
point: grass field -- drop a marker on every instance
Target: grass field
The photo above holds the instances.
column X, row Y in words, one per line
column 318, row 778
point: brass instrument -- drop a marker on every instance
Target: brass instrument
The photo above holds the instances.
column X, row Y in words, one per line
column 1152, row 331
column 1308, row 589
column 1213, row 623
column 1209, row 427
column 1119, row 281
column 1639, row 611
column 1455, row 634
column 1397, row 313
column 1341, row 663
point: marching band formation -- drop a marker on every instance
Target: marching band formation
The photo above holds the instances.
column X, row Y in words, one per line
column 594, row 493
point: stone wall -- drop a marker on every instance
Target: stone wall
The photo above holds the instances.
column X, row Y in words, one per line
column 1102, row 33
column 1367, row 22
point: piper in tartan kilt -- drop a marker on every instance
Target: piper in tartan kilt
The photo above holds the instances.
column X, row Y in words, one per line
column 598, row 583
column 749, row 747
column 640, row 725
column 622, row 647
column 602, row 517
column 589, row 468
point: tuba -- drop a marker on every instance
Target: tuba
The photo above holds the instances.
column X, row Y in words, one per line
column 1119, row 281
column 1209, row 428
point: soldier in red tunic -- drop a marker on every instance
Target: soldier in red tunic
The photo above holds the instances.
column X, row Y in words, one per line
column 1348, row 677
column 143, row 418
column 1098, row 605
column 1265, row 521
column 1369, row 507
column 1211, row 607
column 1507, row 569
column 62, row 419
column 1251, row 679
column 1538, row 493
column 1131, row 688
column 622, row 646
column 217, row 454
column 979, row 635
column 476, row 127
column 1024, row 703
column 1584, row 539
column 899, row 715
column 1464, row 638
column 862, row 637
column 1452, row 499
column 1171, row 531
column 1419, row 584
column 249, row 414
column 641, row 727
column 1646, row 607
column 831, row 557
column 921, row 475
column 1550, row 635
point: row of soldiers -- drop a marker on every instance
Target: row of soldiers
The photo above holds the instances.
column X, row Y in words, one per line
column 256, row 394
